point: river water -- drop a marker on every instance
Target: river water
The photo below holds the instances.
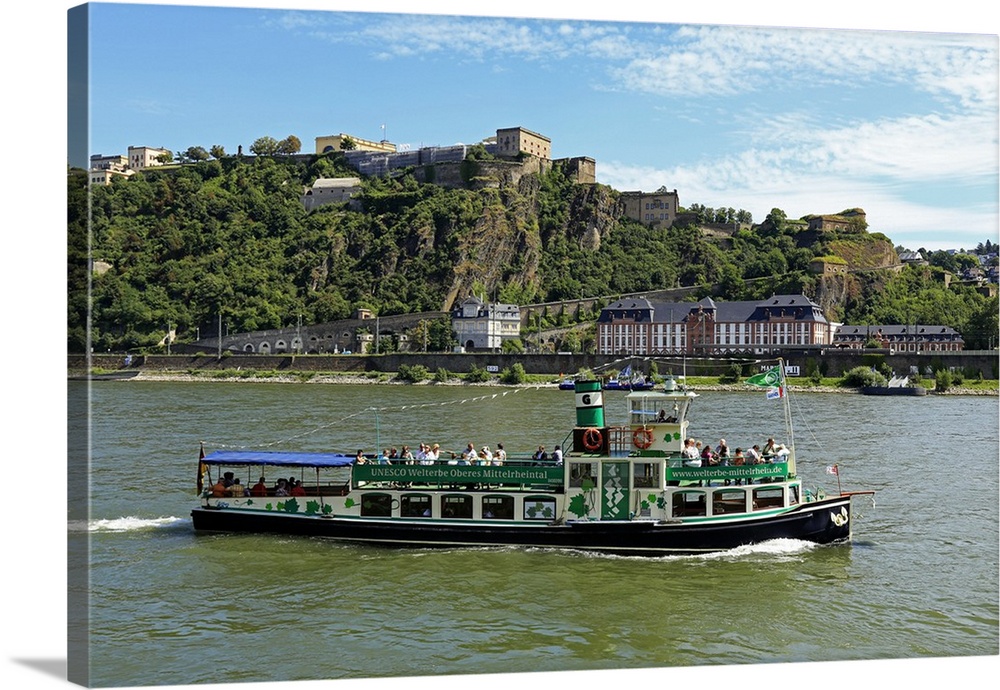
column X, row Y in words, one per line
column 171, row 607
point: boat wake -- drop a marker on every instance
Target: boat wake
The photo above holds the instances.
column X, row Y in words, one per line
column 126, row 524
column 775, row 549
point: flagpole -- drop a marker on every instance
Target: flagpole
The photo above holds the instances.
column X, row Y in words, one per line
column 839, row 489
column 788, row 416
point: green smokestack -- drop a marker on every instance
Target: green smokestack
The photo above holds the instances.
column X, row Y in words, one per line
column 589, row 404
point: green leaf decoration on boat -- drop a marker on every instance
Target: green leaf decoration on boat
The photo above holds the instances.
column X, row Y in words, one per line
column 587, row 484
column 268, row 507
column 578, row 506
column 349, row 503
column 327, row 509
column 312, row 507
column 290, row 506
column 677, row 435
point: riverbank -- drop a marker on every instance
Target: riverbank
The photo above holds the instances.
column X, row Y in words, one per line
column 383, row 378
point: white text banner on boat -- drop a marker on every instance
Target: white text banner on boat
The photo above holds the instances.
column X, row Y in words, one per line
column 761, row 471
column 458, row 474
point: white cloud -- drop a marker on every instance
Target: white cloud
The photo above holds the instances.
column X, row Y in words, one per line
column 695, row 60
column 713, row 60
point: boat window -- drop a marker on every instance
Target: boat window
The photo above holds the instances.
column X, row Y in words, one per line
column 376, row 505
column 579, row 472
column 415, row 505
column 688, row 504
column 646, row 474
column 539, row 508
column 763, row 499
column 498, row 507
column 728, row 501
column 456, row 506
column 793, row 495
column 642, row 410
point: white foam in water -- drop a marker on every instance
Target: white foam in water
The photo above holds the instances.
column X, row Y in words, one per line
column 125, row 524
column 774, row 547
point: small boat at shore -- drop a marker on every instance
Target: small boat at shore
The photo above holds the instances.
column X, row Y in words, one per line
column 625, row 381
column 896, row 386
column 622, row 489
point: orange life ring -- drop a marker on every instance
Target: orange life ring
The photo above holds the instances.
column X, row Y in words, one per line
column 592, row 439
column 642, row 438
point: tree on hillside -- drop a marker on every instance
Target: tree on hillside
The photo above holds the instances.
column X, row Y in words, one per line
column 265, row 146
column 774, row 223
column 196, row 153
column 289, row 145
column 347, row 144
column 164, row 158
column 217, row 151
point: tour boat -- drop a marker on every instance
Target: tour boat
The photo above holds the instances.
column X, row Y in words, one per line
column 620, row 489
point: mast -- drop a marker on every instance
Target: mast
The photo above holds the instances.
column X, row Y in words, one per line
column 788, row 416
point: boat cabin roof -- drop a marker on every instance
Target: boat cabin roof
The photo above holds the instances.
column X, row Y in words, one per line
column 265, row 457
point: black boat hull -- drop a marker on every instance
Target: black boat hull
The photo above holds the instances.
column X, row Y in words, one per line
column 884, row 390
column 825, row 521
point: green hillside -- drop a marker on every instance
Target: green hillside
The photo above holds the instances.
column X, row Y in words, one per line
column 175, row 246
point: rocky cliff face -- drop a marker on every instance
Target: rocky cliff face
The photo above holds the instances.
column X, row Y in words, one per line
column 505, row 247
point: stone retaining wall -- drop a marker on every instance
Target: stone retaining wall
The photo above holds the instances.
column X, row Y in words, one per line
column 832, row 363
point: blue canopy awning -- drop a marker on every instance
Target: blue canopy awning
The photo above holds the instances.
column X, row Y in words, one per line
column 267, row 457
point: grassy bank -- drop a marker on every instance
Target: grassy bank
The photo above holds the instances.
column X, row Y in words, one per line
column 825, row 385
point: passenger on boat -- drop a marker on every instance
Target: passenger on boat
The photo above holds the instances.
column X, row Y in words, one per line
column 434, row 453
column 406, row 456
column 360, row 458
column 282, row 488
column 689, row 454
column 236, row 490
column 227, row 479
column 753, row 455
column 769, row 449
column 557, row 455
column 469, row 454
column 500, row 456
column 708, row 457
column 540, row 455
column 739, row 458
column 486, row 456
column 722, row 452
column 219, row 488
column 298, row 489
column 259, row 489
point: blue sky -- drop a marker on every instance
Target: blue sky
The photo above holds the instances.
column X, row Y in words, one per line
column 902, row 124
